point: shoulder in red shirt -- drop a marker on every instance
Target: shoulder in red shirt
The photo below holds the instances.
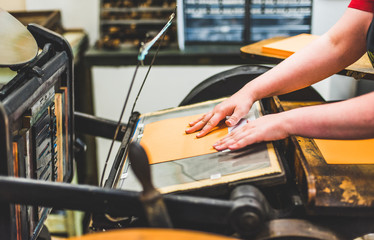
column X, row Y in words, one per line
column 364, row 5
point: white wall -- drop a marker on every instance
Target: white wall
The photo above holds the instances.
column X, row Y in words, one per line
column 75, row 13
column 14, row 5
column 325, row 14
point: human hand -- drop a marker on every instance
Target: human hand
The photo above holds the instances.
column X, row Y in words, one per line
column 267, row 128
column 237, row 106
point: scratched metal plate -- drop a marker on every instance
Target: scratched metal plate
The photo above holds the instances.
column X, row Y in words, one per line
column 201, row 170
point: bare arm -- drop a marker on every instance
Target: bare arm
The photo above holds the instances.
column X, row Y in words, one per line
column 350, row 119
column 342, row 45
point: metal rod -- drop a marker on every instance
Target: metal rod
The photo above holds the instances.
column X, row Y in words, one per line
column 99, row 127
column 119, row 124
column 186, row 209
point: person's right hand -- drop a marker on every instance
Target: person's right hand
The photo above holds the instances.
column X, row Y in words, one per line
column 236, row 107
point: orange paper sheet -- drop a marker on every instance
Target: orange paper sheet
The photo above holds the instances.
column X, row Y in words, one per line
column 166, row 140
column 347, row 151
column 288, row 46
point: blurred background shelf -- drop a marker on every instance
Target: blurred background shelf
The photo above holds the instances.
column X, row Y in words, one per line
column 126, row 24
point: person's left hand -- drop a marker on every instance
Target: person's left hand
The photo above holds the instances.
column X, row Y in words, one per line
column 267, row 128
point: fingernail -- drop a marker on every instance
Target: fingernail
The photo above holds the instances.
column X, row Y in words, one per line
column 232, row 147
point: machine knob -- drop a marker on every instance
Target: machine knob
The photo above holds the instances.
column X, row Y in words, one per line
column 250, row 210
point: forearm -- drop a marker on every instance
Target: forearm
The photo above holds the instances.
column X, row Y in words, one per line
column 350, row 119
column 327, row 55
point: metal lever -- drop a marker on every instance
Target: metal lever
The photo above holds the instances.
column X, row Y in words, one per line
column 152, row 200
column 145, row 48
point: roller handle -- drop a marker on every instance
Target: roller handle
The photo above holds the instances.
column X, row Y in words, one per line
column 140, row 166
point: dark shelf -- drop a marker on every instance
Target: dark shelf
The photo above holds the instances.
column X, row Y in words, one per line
column 134, row 21
column 141, row 9
column 193, row 55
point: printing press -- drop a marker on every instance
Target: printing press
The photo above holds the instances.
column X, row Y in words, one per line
column 277, row 190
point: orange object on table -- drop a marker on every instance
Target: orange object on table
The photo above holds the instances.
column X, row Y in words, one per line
column 166, row 140
column 289, row 46
column 347, row 151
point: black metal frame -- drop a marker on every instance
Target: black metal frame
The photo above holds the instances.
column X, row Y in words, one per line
column 50, row 68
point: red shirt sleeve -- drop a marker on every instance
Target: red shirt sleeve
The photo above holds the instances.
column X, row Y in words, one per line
column 364, row 5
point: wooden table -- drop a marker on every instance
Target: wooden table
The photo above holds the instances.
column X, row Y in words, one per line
column 361, row 69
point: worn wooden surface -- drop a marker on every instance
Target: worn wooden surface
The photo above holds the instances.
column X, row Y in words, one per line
column 362, row 68
column 344, row 189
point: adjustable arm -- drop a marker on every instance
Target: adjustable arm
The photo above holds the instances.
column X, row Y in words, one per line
column 100, row 127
